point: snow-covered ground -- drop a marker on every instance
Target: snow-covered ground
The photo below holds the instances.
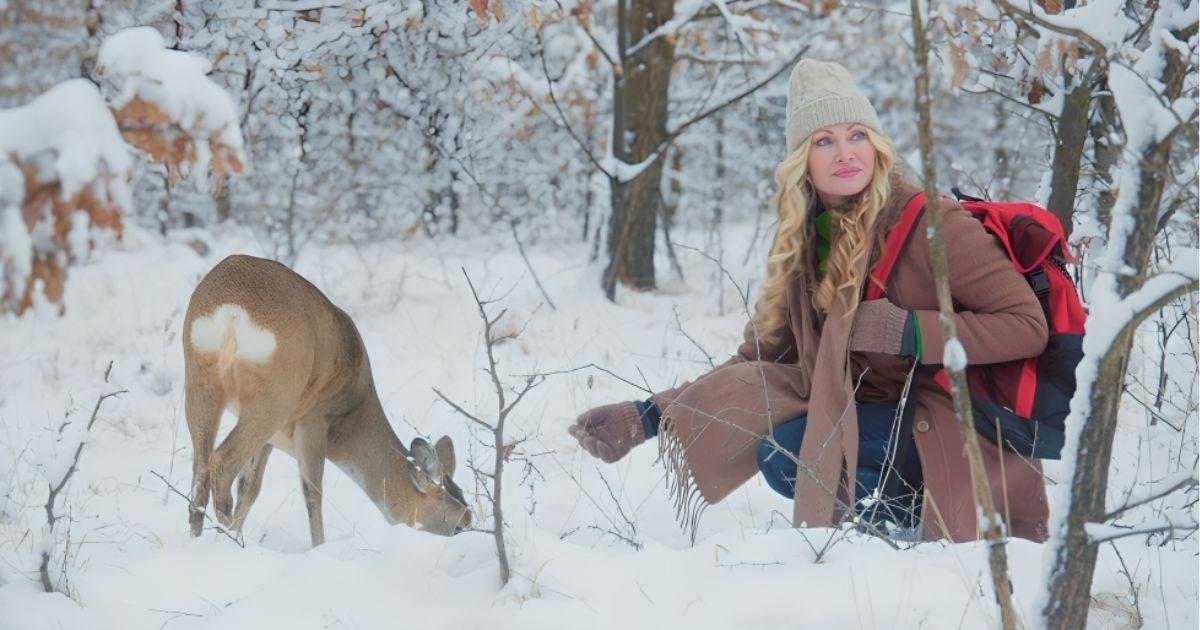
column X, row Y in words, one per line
column 592, row 545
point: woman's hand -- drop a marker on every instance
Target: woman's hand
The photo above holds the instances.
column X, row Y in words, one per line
column 883, row 327
column 609, row 432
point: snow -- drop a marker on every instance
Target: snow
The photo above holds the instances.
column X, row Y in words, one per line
column 568, row 514
column 136, row 63
column 16, row 252
column 71, row 121
column 955, row 355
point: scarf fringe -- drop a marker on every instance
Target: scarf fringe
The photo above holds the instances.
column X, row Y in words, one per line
column 682, row 489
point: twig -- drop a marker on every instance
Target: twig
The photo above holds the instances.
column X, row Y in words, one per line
column 51, row 519
column 621, row 510
column 1188, row 482
column 566, row 124
column 1134, row 591
column 679, row 325
column 503, row 409
column 216, row 526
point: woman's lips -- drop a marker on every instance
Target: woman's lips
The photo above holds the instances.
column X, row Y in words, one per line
column 847, row 172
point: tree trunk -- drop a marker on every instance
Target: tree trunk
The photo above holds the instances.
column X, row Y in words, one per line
column 640, row 109
column 1075, row 561
column 989, row 523
column 1068, row 151
column 1105, row 153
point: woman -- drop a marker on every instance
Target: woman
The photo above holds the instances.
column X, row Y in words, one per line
column 820, row 371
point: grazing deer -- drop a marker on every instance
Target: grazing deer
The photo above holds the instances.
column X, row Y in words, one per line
column 263, row 342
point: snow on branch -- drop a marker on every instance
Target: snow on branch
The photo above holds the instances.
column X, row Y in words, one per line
column 1100, row 533
column 741, row 25
column 166, row 106
column 684, row 12
column 65, row 162
column 64, row 173
column 1129, row 311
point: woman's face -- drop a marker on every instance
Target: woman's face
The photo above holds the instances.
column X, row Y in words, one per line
column 841, row 162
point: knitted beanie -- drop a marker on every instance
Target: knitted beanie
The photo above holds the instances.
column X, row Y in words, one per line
column 820, row 94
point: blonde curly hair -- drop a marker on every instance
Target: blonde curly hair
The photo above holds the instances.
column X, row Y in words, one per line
column 856, row 229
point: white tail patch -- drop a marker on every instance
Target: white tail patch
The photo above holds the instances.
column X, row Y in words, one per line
column 254, row 343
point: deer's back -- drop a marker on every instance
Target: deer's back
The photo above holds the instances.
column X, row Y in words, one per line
column 258, row 326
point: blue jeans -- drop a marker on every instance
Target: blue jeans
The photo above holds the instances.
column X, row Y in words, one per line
column 875, row 421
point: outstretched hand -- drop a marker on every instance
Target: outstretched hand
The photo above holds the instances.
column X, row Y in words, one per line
column 609, row 432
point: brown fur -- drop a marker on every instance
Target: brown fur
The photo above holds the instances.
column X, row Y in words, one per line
column 314, row 398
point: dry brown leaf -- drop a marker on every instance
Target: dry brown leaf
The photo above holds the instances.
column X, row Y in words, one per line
column 480, row 8
column 358, row 18
column 958, row 57
column 1053, row 7
column 497, row 7
column 317, row 69
column 1044, row 62
column 583, row 14
column 44, row 202
column 1036, row 91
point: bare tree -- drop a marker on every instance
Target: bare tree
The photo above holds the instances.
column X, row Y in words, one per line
column 504, row 406
column 1124, row 287
column 993, row 530
column 57, row 486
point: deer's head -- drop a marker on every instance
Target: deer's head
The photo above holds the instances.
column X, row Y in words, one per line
column 440, row 507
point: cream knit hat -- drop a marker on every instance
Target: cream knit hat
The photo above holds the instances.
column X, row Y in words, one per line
column 820, row 94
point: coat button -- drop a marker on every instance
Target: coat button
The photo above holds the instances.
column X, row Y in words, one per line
column 923, row 426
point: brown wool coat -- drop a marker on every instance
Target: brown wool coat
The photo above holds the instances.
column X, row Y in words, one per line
column 712, row 426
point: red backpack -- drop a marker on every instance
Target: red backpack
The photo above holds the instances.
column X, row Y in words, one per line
column 1021, row 404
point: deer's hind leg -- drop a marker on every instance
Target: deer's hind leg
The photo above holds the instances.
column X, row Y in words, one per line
column 203, row 404
column 257, row 422
column 310, row 443
column 249, row 483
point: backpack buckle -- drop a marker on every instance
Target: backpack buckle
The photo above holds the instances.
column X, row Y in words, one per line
column 1039, row 283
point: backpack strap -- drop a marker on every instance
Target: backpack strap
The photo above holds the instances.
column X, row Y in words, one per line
column 897, row 238
column 902, row 439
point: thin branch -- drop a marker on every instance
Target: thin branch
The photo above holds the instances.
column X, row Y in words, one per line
column 1187, row 481
column 566, row 124
column 679, row 326
column 512, row 225
column 670, row 139
column 1098, row 533
column 1028, row 14
column 462, row 411
column 236, row 539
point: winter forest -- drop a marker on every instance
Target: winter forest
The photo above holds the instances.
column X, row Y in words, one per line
column 529, row 208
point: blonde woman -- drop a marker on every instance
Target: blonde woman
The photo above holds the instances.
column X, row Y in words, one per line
column 811, row 396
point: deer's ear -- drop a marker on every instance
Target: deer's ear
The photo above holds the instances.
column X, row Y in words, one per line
column 445, row 455
column 425, row 459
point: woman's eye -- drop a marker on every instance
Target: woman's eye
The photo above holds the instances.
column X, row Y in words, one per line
column 858, row 135
column 821, row 142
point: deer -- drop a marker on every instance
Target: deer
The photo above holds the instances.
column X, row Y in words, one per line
column 264, row 343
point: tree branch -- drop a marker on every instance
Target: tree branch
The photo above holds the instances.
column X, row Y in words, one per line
column 1185, row 480
column 566, row 124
